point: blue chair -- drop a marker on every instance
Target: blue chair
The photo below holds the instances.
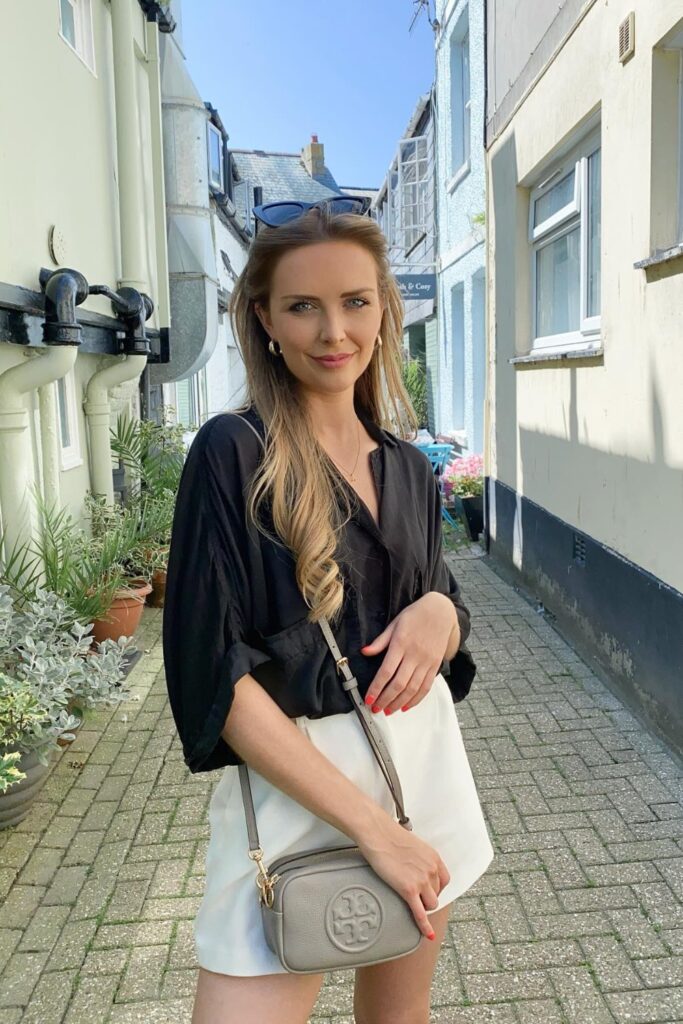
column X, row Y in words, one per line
column 439, row 455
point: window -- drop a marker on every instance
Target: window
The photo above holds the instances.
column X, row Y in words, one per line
column 414, row 176
column 75, row 27
column 191, row 400
column 214, row 141
column 405, row 214
column 666, row 147
column 460, row 97
column 68, row 422
column 564, row 232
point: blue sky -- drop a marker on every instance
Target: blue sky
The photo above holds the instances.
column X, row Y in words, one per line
column 279, row 71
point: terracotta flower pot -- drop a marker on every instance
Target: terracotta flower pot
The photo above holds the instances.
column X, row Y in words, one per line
column 156, row 598
column 124, row 613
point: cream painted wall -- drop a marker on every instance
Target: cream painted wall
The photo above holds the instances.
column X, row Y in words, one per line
column 59, row 140
column 59, row 166
column 597, row 443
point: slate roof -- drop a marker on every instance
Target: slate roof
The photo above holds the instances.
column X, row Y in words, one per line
column 281, row 175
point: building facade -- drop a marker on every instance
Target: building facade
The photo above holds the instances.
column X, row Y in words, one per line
column 405, row 210
column 460, row 214
column 584, row 235
column 84, row 298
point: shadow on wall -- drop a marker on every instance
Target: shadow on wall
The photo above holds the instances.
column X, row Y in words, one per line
column 625, row 617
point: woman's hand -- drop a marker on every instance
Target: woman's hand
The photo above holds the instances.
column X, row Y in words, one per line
column 409, row 865
column 417, row 641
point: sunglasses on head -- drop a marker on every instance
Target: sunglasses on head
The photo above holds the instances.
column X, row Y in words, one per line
column 275, row 214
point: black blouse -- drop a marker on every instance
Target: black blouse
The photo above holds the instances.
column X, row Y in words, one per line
column 233, row 606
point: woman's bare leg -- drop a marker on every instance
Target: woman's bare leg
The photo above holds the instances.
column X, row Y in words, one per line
column 398, row 992
column 263, row 999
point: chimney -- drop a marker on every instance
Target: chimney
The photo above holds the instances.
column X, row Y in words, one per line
column 313, row 157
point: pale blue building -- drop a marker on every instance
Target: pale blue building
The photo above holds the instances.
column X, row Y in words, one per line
column 456, row 356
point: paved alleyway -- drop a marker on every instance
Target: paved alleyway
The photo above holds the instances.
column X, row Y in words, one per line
column 579, row 920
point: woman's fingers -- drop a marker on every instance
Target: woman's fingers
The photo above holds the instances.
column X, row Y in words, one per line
column 420, row 904
column 421, row 684
column 403, row 688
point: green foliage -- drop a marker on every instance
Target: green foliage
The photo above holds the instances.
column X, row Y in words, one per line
column 415, row 383
column 21, row 715
column 46, row 651
column 153, row 453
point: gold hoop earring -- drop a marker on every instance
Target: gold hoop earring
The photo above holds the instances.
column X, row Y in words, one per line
column 271, row 347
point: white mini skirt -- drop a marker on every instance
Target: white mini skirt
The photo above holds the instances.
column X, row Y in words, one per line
column 440, row 798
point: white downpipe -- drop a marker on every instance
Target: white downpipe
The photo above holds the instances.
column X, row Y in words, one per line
column 163, row 310
column 97, row 410
column 16, row 458
column 133, row 262
column 49, row 443
column 131, row 207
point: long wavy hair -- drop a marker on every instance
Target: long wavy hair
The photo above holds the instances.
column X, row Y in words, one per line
column 298, row 482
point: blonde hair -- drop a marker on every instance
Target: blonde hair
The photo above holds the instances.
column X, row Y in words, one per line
column 308, row 502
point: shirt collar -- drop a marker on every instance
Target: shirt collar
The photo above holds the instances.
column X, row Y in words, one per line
column 376, row 432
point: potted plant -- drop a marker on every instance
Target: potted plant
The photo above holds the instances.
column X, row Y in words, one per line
column 21, row 717
column 45, row 653
column 463, row 481
column 415, row 382
column 154, row 455
column 118, row 538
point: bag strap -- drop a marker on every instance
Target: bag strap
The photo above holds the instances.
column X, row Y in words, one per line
column 377, row 744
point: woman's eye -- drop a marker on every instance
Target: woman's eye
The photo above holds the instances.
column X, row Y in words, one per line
column 295, row 307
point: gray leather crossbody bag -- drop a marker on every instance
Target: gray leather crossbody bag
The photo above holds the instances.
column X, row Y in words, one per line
column 327, row 909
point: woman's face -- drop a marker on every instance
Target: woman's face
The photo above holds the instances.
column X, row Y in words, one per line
column 324, row 301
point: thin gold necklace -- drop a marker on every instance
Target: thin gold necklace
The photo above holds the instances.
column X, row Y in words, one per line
column 350, row 475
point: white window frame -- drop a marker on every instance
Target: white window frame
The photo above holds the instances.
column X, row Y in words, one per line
column 83, row 30
column 414, row 217
column 70, row 455
column 459, row 54
column 680, row 146
column 560, row 223
column 212, row 130
column 405, row 225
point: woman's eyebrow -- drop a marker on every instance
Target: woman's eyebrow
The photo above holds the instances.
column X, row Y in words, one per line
column 344, row 295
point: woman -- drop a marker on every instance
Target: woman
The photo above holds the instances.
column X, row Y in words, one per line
column 301, row 504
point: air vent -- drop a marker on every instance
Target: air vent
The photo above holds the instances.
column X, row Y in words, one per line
column 579, row 549
column 627, row 37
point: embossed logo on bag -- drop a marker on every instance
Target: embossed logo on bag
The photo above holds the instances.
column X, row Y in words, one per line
column 353, row 919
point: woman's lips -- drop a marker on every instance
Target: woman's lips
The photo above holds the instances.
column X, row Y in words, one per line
column 332, row 362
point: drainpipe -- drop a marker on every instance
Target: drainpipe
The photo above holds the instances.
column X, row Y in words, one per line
column 133, row 283
column 163, row 296
column 64, row 290
column 49, row 443
column 98, row 412
column 131, row 207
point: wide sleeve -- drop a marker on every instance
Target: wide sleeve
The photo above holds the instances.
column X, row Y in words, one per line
column 460, row 670
column 207, row 601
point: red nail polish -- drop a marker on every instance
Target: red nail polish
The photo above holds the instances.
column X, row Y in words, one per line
column 432, row 936
column 387, row 711
column 375, row 710
column 405, row 708
column 369, row 700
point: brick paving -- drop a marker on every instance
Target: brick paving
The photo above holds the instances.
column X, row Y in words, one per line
column 579, row 919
